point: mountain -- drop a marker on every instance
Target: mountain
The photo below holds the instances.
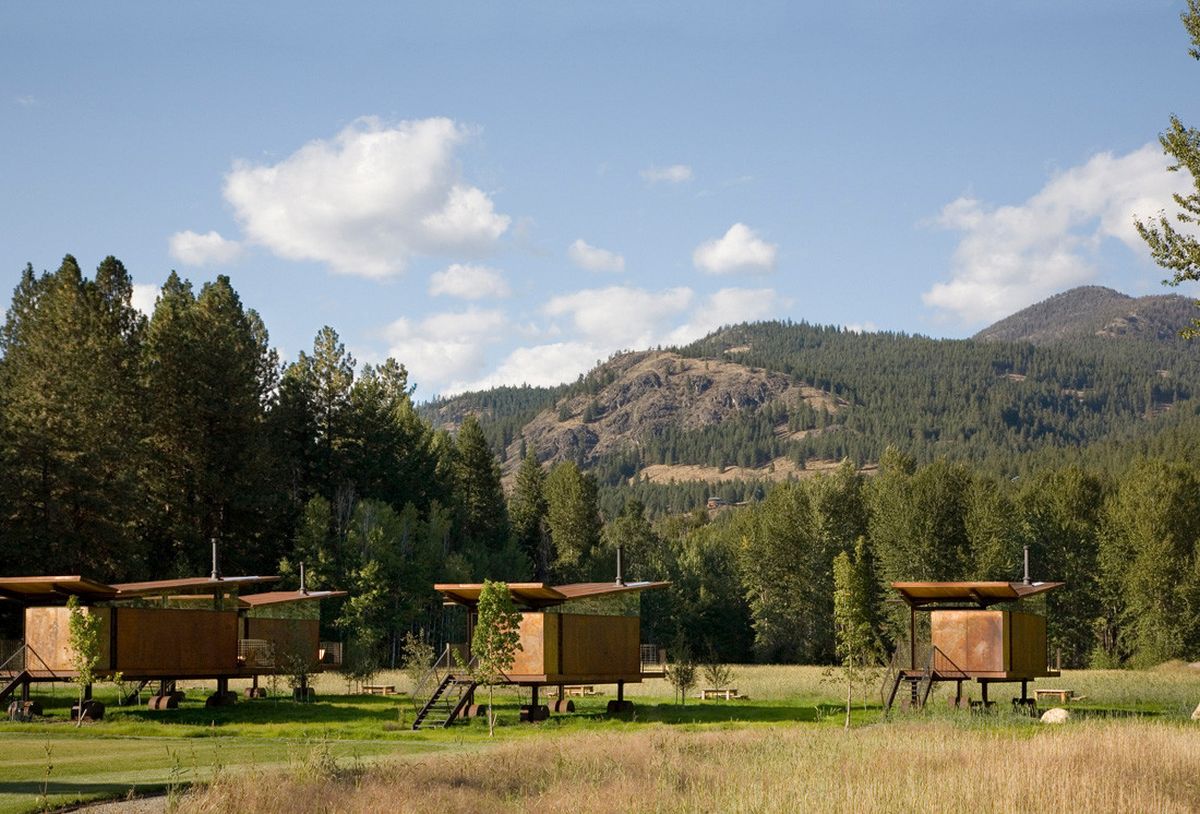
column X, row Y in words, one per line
column 1095, row 311
column 772, row 400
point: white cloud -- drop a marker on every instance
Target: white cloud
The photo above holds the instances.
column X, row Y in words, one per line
column 594, row 259
column 621, row 316
column 1012, row 256
column 674, row 174
column 145, row 297
column 469, row 283
column 728, row 306
column 368, row 199
column 867, row 327
column 27, row 100
column 447, row 348
column 447, row 352
column 210, row 248
column 542, row 365
column 740, row 250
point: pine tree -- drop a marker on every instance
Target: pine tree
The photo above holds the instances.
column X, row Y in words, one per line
column 209, row 371
column 70, row 427
column 482, row 516
column 527, row 511
column 573, row 517
column 1179, row 249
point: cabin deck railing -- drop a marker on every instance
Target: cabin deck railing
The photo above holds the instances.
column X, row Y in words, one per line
column 12, row 656
column 23, row 657
column 653, row 658
column 330, row 654
column 256, row 654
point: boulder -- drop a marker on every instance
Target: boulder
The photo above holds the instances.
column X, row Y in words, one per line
column 1057, row 715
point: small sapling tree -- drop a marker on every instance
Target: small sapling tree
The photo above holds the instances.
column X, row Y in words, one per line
column 496, row 639
column 718, row 676
column 857, row 644
column 417, row 655
column 83, row 631
column 681, row 672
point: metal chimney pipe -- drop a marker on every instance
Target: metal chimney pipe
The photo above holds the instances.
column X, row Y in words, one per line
column 620, row 575
column 1026, row 580
column 303, row 582
column 216, row 570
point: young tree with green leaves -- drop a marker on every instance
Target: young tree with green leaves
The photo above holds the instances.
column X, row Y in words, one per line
column 853, row 617
column 1178, row 249
column 496, row 639
column 83, row 635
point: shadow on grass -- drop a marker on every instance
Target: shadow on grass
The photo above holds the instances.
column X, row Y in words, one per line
column 34, row 788
column 713, row 713
column 328, row 710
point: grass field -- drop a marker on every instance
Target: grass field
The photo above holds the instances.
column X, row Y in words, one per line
column 780, row 748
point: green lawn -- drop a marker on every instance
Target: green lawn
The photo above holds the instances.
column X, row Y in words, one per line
column 50, row 761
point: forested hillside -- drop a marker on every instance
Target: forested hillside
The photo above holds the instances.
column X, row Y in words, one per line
column 128, row 442
column 775, row 398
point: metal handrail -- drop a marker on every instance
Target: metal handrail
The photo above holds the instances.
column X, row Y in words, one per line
column 20, row 651
column 432, row 678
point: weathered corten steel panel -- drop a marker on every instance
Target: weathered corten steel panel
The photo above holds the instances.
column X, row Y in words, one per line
column 600, row 645
column 557, row 647
column 47, row 631
column 993, row 643
column 289, row 636
column 531, row 658
column 1028, row 640
column 175, row 642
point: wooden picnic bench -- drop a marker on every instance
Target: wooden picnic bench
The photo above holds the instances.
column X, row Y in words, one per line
column 379, row 689
column 727, row 694
column 580, row 691
column 1063, row 696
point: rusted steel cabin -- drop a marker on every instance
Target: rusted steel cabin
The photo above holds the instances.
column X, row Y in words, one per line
column 582, row 634
column 970, row 639
column 166, row 630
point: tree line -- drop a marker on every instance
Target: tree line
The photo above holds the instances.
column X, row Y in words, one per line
column 128, row 442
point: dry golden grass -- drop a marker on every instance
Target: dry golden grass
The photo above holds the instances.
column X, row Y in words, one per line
column 930, row 766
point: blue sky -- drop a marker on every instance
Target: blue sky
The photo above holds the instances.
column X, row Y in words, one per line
column 498, row 193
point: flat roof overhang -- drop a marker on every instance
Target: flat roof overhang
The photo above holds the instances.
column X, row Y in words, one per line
column 981, row 594
column 537, row 595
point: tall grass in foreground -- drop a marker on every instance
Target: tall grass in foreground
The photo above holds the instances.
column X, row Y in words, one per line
column 934, row 766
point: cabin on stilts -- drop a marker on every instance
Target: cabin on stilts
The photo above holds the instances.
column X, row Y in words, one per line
column 165, row 631
column 577, row 635
column 981, row 631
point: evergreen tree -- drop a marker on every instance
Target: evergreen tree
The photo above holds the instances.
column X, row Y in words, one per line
column 209, row 371
column 1179, row 249
column 70, row 427
column 1149, row 558
column 573, row 517
column 482, row 514
column 527, row 511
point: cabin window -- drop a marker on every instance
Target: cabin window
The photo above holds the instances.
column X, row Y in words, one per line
column 286, row 610
column 627, row 603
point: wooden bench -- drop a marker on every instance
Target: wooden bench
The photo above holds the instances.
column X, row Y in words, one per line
column 379, row 689
column 580, row 691
column 1063, row 696
column 727, row 694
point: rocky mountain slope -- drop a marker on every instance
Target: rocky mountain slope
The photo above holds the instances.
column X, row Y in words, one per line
column 1095, row 311
column 646, row 393
column 782, row 399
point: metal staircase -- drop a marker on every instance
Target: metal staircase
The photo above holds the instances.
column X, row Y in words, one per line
column 920, row 679
column 447, row 702
column 11, row 687
column 453, row 688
